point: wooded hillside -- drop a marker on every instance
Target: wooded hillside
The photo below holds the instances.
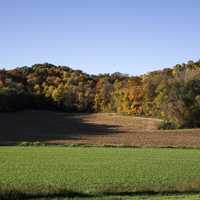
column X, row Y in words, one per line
column 172, row 93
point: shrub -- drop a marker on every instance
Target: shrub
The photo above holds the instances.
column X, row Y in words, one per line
column 167, row 125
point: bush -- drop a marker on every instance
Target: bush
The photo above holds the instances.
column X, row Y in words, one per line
column 168, row 125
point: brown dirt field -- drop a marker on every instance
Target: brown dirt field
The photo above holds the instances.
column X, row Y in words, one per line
column 97, row 129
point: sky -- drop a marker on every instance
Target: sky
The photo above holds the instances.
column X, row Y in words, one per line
column 100, row 36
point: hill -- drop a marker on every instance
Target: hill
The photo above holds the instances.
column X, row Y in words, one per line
column 172, row 94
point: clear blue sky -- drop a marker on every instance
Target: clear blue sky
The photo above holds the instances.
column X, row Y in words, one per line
column 97, row 36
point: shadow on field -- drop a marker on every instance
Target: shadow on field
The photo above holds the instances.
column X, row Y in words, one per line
column 16, row 195
column 46, row 125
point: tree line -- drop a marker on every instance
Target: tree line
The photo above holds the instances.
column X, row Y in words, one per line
column 172, row 94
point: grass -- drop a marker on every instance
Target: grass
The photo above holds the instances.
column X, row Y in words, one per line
column 95, row 172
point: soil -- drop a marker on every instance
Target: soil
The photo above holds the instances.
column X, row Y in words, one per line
column 97, row 129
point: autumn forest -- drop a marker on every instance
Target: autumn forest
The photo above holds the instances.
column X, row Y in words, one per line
column 172, row 94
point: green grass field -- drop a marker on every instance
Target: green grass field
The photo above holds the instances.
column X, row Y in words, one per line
column 88, row 172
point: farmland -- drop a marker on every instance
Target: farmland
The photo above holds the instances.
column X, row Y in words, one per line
column 64, row 171
column 60, row 171
column 96, row 129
